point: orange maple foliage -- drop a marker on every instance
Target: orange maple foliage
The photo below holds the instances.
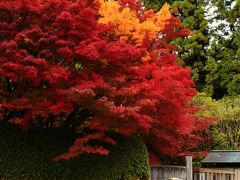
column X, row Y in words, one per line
column 127, row 24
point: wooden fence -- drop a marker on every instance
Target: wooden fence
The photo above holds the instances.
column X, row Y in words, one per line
column 167, row 172
column 216, row 174
column 185, row 172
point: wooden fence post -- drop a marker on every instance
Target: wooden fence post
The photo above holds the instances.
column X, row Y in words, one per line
column 237, row 173
column 189, row 167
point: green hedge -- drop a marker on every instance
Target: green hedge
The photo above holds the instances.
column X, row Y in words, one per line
column 29, row 156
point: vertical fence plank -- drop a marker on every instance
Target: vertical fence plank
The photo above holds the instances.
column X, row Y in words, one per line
column 217, row 174
column 238, row 174
column 189, row 167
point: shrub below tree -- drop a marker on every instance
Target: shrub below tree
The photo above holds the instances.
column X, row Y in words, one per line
column 29, row 156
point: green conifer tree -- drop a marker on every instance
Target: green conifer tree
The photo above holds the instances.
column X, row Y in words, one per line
column 223, row 65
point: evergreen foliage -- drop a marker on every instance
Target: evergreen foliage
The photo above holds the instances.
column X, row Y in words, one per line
column 29, row 156
column 223, row 72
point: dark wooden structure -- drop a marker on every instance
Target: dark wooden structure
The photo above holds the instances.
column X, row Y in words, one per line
column 219, row 165
column 222, row 158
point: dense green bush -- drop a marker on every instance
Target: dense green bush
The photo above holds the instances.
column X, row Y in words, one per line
column 29, row 156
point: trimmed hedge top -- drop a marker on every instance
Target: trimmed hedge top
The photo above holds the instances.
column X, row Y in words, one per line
column 29, row 156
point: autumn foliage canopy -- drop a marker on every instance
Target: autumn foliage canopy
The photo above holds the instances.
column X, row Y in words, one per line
column 99, row 67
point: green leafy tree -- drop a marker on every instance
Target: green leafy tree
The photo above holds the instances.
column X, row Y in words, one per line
column 225, row 132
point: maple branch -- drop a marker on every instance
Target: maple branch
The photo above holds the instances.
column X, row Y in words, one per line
column 8, row 115
column 78, row 117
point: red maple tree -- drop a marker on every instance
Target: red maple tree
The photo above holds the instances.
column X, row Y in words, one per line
column 60, row 67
